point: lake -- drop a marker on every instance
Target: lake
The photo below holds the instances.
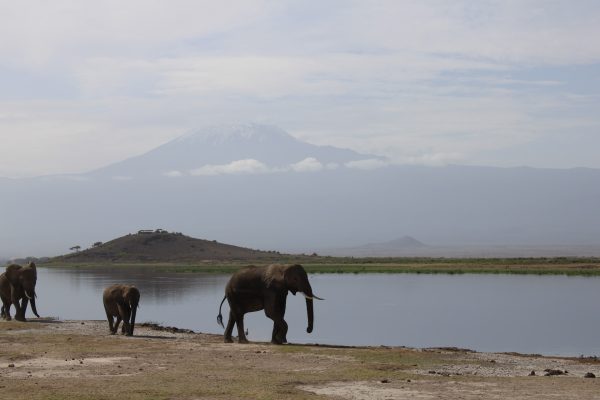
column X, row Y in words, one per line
column 551, row 315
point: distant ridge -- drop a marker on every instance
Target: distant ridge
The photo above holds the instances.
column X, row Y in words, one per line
column 396, row 247
column 403, row 242
column 162, row 246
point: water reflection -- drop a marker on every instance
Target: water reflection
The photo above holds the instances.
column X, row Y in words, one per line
column 529, row 314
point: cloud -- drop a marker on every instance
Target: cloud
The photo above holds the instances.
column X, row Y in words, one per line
column 367, row 164
column 173, row 174
column 42, row 33
column 401, row 79
column 247, row 166
column 309, row 164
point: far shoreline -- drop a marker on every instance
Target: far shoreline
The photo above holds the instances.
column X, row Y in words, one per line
column 570, row 266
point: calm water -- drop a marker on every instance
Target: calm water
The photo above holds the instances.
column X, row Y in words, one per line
column 530, row 314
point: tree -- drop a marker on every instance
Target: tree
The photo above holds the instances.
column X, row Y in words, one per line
column 97, row 244
column 75, row 248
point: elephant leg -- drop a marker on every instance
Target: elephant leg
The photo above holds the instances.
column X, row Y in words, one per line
column 283, row 331
column 110, row 323
column 6, row 310
column 109, row 317
column 279, row 325
column 229, row 328
column 278, row 336
column 24, row 304
column 19, row 316
column 239, row 321
column 117, row 322
column 20, row 310
column 236, row 317
column 126, row 327
column 284, row 325
column 124, row 312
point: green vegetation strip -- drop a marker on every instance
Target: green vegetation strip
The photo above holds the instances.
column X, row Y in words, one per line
column 530, row 266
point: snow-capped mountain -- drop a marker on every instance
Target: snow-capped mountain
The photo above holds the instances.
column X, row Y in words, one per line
column 239, row 147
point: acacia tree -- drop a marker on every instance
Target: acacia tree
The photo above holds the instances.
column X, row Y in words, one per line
column 75, row 248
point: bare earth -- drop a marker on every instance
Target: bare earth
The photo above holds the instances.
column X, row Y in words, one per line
column 48, row 359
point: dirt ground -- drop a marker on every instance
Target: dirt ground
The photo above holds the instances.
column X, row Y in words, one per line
column 49, row 359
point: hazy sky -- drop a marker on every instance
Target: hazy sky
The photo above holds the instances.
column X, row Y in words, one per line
column 507, row 83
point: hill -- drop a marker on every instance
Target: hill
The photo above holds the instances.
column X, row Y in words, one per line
column 162, row 246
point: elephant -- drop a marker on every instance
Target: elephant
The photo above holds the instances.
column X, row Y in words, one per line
column 17, row 286
column 255, row 288
column 121, row 301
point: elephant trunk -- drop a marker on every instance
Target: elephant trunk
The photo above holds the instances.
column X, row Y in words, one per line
column 309, row 312
column 133, row 312
column 33, row 307
column 309, row 306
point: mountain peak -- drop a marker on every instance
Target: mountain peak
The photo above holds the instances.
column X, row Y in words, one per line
column 220, row 134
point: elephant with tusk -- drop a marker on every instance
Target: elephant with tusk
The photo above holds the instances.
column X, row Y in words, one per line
column 121, row 302
column 257, row 288
column 17, row 286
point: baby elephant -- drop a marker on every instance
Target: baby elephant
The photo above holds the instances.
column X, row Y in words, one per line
column 121, row 301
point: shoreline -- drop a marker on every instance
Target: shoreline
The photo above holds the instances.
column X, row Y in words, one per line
column 569, row 266
column 78, row 359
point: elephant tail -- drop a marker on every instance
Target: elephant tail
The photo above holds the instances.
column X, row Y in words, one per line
column 220, row 317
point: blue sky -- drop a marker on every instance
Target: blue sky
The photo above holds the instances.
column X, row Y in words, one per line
column 502, row 83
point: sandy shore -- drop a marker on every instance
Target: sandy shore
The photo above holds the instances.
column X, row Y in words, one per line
column 48, row 359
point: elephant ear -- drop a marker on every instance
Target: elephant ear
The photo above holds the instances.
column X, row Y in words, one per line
column 33, row 267
column 13, row 272
column 275, row 276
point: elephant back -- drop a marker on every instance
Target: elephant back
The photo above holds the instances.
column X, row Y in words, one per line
column 4, row 284
column 12, row 273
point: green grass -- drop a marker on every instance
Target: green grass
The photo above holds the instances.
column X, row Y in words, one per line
column 571, row 266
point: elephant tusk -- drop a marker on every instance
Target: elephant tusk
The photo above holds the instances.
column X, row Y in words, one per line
column 312, row 297
column 28, row 296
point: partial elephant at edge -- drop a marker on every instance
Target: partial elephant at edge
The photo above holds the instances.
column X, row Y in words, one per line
column 17, row 287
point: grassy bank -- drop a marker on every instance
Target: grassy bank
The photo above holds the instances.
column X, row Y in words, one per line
column 535, row 266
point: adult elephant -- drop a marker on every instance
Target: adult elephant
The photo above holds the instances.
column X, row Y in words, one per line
column 17, row 286
column 256, row 288
column 121, row 302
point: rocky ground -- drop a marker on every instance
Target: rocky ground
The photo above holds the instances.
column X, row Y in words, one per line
column 49, row 359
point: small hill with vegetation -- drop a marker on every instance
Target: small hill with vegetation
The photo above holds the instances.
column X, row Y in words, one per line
column 163, row 247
